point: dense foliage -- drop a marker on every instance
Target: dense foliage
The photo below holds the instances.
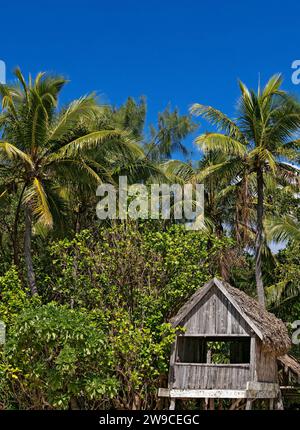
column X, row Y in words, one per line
column 86, row 303
column 97, row 335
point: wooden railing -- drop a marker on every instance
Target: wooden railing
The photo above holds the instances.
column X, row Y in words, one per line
column 210, row 376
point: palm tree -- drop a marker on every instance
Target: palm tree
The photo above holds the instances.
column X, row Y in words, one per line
column 258, row 141
column 219, row 194
column 281, row 229
column 172, row 129
column 45, row 150
column 282, row 220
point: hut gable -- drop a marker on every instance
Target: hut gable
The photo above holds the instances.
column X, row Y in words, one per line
column 219, row 308
column 215, row 314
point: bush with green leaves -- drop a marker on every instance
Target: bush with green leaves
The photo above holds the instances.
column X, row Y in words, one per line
column 13, row 297
column 101, row 339
column 56, row 357
column 283, row 295
column 147, row 271
column 141, row 357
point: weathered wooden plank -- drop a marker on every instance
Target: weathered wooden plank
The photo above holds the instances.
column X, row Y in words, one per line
column 266, row 365
column 229, row 316
column 209, row 394
column 211, row 376
column 197, row 297
column 218, row 283
column 261, row 394
column 221, row 322
column 238, row 324
column 262, row 386
column 216, row 365
column 253, row 371
column 219, row 335
column 221, row 394
column 199, row 316
column 215, row 314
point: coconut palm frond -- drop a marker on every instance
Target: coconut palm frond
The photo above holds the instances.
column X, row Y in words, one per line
column 10, row 151
column 37, row 199
column 218, row 119
column 222, row 143
column 281, row 229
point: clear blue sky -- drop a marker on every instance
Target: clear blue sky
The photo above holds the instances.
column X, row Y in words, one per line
column 178, row 51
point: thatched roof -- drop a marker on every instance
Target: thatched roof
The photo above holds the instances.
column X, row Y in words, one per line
column 270, row 329
column 289, row 363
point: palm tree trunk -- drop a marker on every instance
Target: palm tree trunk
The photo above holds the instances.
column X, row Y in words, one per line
column 15, row 229
column 259, row 237
column 27, row 251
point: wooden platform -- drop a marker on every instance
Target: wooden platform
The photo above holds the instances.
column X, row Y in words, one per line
column 254, row 390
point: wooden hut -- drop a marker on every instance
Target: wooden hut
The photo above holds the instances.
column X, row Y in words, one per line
column 226, row 347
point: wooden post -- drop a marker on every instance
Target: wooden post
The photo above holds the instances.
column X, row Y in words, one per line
column 171, row 373
column 249, row 404
column 253, row 358
column 208, row 404
column 271, row 404
column 172, row 405
column 172, row 361
column 279, row 403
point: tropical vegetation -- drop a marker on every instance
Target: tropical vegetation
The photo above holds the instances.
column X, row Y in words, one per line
column 86, row 302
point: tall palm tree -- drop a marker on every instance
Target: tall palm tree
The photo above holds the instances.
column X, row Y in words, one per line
column 259, row 141
column 219, row 194
column 47, row 149
column 222, row 197
column 172, row 128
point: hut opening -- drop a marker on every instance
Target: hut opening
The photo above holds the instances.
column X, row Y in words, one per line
column 213, row 350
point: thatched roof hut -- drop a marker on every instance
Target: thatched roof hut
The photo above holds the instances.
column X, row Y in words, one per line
column 270, row 329
column 228, row 347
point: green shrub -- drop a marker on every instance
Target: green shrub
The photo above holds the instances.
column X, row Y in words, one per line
column 56, row 357
column 150, row 273
column 102, row 338
column 13, row 297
